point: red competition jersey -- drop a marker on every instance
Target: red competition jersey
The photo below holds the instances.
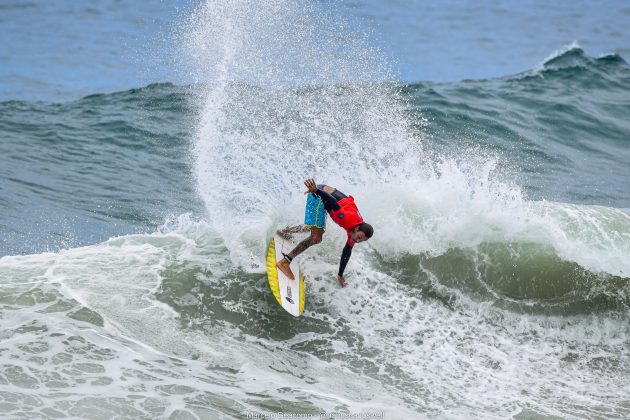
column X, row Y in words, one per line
column 348, row 216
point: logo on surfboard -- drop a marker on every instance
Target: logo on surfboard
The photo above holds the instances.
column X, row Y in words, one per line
column 288, row 297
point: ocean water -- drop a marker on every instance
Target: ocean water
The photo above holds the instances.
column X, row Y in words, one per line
column 135, row 208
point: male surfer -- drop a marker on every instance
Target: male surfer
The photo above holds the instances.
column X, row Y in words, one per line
column 342, row 210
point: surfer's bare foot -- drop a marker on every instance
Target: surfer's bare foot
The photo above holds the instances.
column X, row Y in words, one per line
column 283, row 265
column 284, row 234
column 341, row 281
column 287, row 232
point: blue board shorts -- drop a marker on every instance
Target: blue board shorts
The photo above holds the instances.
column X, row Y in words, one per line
column 314, row 213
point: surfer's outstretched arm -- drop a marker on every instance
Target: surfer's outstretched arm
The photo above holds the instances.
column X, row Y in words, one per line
column 345, row 257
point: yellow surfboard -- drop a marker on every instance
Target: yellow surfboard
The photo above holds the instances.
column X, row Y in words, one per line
column 288, row 293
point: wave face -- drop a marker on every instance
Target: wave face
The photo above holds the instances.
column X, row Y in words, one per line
column 133, row 228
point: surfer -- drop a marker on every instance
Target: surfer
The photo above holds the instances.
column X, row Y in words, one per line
column 343, row 211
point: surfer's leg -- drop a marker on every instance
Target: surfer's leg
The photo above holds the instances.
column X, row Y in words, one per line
column 313, row 239
column 315, row 220
column 315, row 212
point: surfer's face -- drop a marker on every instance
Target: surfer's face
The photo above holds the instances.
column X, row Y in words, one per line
column 358, row 236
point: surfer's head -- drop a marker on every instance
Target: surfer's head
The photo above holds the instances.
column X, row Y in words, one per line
column 362, row 233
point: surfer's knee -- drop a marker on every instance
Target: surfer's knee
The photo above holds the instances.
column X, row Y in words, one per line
column 316, row 238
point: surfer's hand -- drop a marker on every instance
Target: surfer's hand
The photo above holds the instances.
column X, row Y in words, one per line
column 341, row 281
column 311, row 185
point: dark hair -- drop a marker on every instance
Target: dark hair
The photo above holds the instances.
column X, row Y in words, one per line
column 367, row 229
